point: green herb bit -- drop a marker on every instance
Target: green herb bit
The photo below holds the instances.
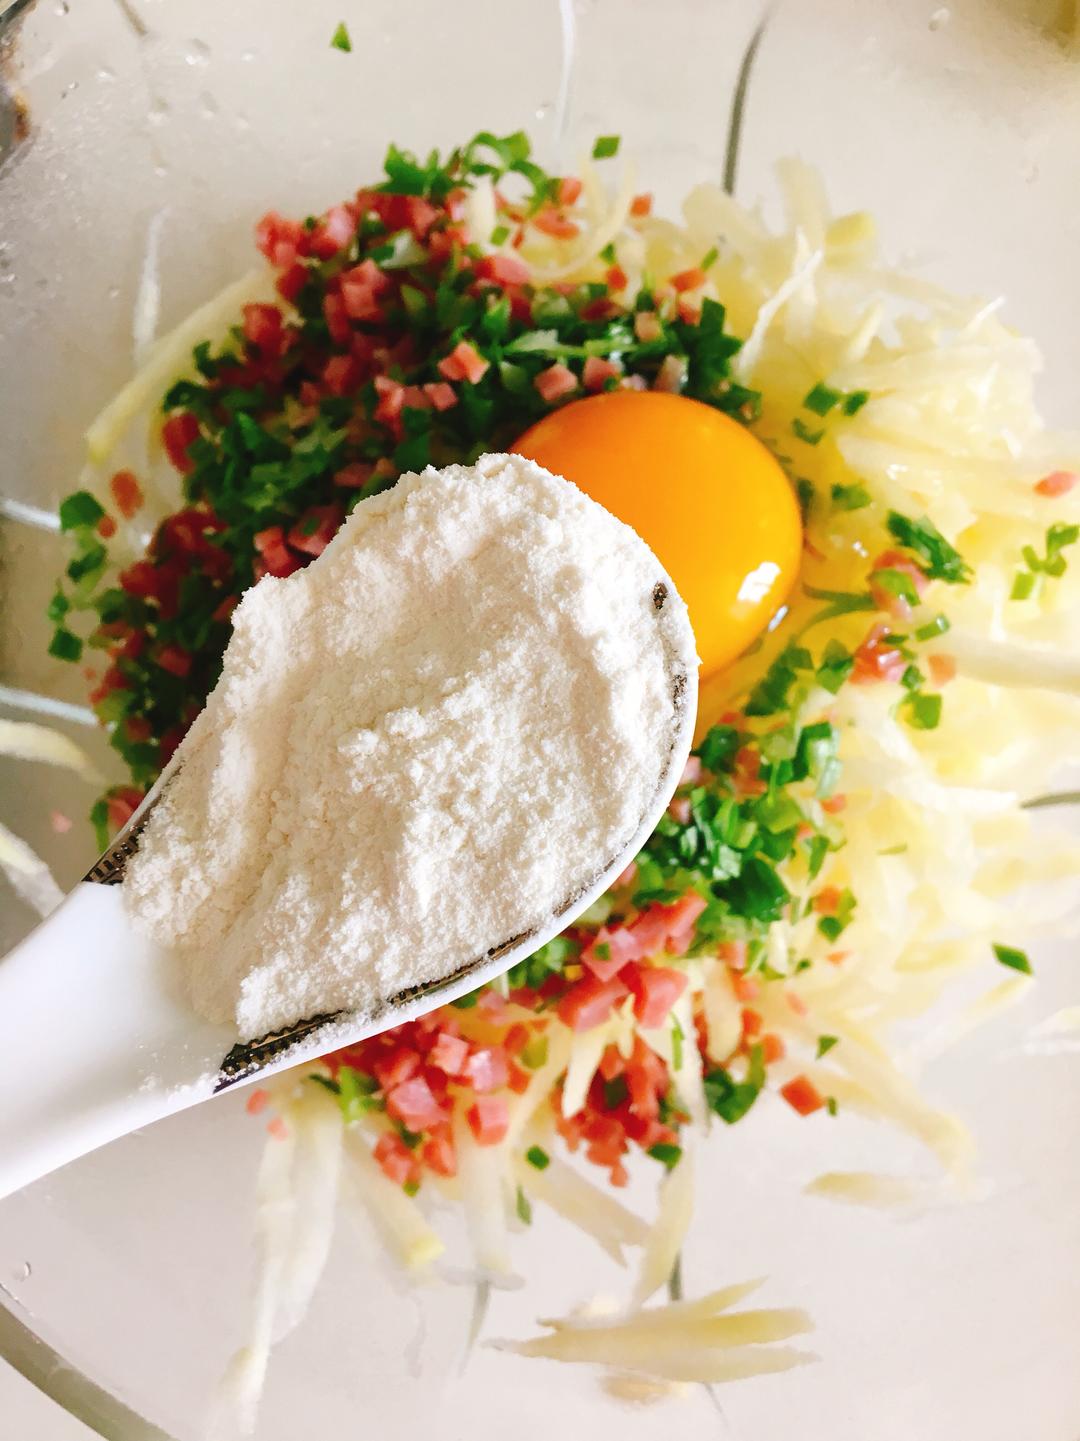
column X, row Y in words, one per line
column 710, row 258
column 500, row 235
column 1014, row 959
column 718, row 748
column 340, row 39
column 1024, row 583
column 831, row 1106
column 855, row 400
column 80, row 509
column 941, row 560
column 825, row 1045
column 897, row 583
column 850, row 497
column 836, row 665
column 731, row 1099
column 773, row 691
column 933, row 628
column 923, row 710
column 605, row 147
column 668, row 1155
column 676, row 1044
column 65, row 644
column 822, row 398
column 803, row 432
column 538, row 1157
column 524, row 1207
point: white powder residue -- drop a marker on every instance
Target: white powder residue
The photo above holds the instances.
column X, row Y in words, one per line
column 421, row 746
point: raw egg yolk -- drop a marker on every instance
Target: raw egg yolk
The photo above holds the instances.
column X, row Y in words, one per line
column 710, row 500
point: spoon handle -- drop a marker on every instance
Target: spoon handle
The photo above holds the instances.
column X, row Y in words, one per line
column 93, row 1044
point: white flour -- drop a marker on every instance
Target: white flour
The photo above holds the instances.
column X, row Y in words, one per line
column 420, row 746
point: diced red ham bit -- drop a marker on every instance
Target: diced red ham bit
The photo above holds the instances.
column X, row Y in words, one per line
column 733, row 954
column 464, row 363
column 772, row 1048
column 691, row 279
column 1058, row 482
column 177, row 434
column 414, row 1105
column 337, row 318
column 276, row 557
column 174, row 659
column 589, row 1002
column 679, row 810
column 897, row 605
column 640, row 206
column 263, row 327
column 827, row 901
column 833, row 805
column 257, row 1101
column 126, row 492
column 488, row 1119
column 121, row 804
column 106, row 527
column 569, row 189
column 942, row 668
column 802, row 1095
column 617, row 278
column 655, row 990
column 692, row 771
column 647, row 326
column 876, row 660
column 671, row 377
column 503, row 269
column 555, row 382
column 596, row 372
column 316, row 528
column 397, row 1161
column 486, row 1069
column 551, row 222
column 353, row 476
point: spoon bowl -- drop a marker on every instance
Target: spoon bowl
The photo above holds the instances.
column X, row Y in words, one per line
column 100, row 999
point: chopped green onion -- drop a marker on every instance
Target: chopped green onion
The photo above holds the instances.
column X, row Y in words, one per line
column 822, row 398
column 80, row 509
column 1014, row 959
column 805, row 434
column 850, row 497
column 825, row 1045
column 340, row 39
column 667, row 1154
column 65, row 645
column 941, row 560
column 1024, row 582
column 605, row 147
column 538, row 1157
column 523, row 1207
column 938, row 626
column 923, row 710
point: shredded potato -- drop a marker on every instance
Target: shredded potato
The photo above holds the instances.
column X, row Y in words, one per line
column 939, row 849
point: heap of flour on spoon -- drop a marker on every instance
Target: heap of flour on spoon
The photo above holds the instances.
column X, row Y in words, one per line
column 421, row 746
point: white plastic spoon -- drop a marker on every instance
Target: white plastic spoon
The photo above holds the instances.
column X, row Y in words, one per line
column 95, row 1042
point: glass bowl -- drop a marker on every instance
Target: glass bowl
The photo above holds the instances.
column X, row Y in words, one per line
column 125, row 1279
